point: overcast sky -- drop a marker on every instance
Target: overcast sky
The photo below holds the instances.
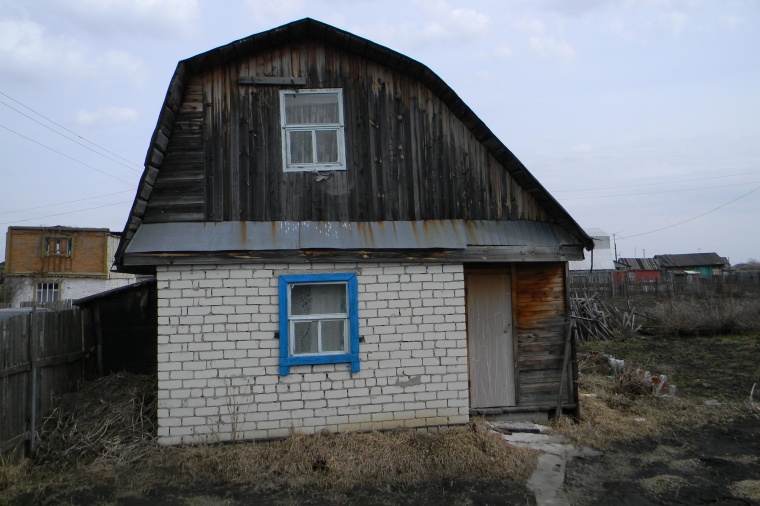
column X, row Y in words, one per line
column 641, row 117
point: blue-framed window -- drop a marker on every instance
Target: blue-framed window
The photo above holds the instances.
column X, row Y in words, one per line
column 319, row 320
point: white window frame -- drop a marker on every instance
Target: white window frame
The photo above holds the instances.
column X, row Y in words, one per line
column 47, row 288
column 287, row 166
column 53, row 246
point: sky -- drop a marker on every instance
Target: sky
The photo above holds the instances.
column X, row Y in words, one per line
column 641, row 117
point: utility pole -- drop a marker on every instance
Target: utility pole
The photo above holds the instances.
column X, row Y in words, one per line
column 614, row 241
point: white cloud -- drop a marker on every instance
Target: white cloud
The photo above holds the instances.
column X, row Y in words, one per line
column 503, row 51
column 447, row 23
column 122, row 64
column 154, row 18
column 271, row 12
column 551, row 48
column 106, row 115
column 529, row 25
column 673, row 22
column 29, row 51
column 26, row 49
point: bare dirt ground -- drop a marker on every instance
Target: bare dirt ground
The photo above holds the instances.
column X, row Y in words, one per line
column 655, row 450
column 713, row 457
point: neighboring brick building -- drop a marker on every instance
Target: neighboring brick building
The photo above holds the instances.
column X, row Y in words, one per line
column 53, row 264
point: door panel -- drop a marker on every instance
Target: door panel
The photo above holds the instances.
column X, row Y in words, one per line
column 489, row 339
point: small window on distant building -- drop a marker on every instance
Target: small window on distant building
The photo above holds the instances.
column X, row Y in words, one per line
column 47, row 292
column 312, row 130
column 57, row 246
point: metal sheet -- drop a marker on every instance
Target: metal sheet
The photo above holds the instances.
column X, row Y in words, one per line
column 384, row 235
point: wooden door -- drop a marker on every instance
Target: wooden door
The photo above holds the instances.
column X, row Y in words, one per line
column 489, row 338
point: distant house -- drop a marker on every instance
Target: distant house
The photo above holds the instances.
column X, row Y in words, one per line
column 341, row 244
column 638, row 270
column 47, row 265
column 597, row 269
column 706, row 265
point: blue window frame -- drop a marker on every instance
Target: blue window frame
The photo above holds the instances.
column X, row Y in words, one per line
column 319, row 320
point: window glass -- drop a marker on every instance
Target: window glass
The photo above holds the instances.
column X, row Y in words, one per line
column 47, row 292
column 312, row 122
column 301, row 147
column 318, row 299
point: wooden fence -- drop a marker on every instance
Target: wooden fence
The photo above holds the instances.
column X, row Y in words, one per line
column 42, row 354
column 734, row 284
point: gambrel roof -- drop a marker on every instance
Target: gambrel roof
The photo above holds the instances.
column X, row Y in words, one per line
column 309, row 29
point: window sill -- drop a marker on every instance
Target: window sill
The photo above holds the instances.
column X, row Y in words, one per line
column 337, row 358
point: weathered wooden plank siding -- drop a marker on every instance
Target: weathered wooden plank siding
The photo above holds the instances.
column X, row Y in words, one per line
column 540, row 319
column 178, row 193
column 41, row 355
column 408, row 156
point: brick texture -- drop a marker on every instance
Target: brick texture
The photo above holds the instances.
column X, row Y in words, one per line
column 218, row 356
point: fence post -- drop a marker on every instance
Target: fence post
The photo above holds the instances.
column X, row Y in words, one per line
column 33, row 379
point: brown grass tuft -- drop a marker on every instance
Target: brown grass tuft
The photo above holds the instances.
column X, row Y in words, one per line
column 609, row 415
column 401, row 458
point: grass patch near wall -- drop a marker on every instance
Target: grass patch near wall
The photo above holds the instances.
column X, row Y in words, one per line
column 713, row 376
column 103, row 438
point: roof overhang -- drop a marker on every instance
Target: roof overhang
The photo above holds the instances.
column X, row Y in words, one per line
column 431, row 240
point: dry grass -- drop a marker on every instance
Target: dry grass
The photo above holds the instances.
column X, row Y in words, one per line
column 615, row 412
column 112, row 419
column 400, row 458
column 707, row 316
column 104, row 435
column 747, row 489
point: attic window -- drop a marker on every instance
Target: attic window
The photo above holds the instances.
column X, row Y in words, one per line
column 312, row 130
column 57, row 246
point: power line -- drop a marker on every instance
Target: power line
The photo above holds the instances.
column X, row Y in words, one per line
column 67, row 156
column 64, row 203
column 131, row 166
column 695, row 217
column 68, row 212
column 658, row 184
column 663, row 191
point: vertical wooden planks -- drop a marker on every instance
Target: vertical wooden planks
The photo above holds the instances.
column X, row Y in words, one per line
column 490, row 338
column 409, row 157
column 41, row 354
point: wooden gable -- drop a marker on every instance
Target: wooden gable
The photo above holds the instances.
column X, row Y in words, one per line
column 414, row 150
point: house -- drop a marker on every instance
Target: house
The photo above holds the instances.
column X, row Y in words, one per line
column 340, row 243
column 47, row 265
column 639, row 270
column 706, row 265
column 596, row 270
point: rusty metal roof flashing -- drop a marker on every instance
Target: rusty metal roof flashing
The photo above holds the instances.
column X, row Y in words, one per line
column 390, row 235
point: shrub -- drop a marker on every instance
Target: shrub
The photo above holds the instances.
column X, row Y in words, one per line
column 707, row 316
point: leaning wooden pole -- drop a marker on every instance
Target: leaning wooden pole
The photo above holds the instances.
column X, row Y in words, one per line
column 565, row 362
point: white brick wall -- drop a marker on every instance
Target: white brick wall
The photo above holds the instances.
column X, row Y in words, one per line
column 218, row 358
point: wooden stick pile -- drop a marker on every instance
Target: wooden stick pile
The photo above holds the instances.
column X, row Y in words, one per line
column 110, row 419
column 596, row 320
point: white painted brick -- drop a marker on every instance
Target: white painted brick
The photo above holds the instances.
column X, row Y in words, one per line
column 401, row 307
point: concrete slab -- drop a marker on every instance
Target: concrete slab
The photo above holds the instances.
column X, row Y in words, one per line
column 549, row 476
column 547, row 480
